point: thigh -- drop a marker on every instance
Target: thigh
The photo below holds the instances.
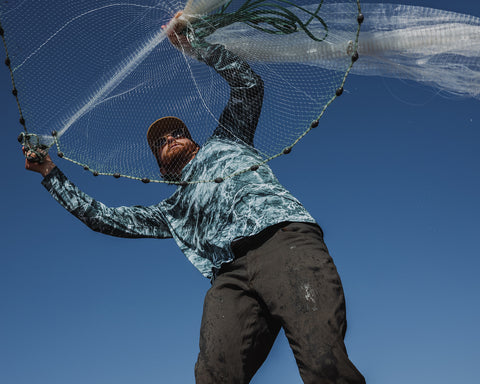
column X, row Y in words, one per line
column 236, row 332
column 300, row 284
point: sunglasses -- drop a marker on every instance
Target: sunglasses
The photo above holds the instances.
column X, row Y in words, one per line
column 176, row 134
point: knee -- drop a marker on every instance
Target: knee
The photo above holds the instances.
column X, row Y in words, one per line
column 331, row 368
column 208, row 372
column 323, row 369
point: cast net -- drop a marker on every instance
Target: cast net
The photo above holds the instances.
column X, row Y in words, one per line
column 97, row 73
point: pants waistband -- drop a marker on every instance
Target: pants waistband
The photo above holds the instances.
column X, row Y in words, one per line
column 241, row 246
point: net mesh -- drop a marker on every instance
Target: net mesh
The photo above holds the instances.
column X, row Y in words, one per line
column 98, row 73
column 432, row 46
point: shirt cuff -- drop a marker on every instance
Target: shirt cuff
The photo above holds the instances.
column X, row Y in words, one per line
column 55, row 174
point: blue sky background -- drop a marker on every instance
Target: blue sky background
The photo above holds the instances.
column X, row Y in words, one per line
column 392, row 176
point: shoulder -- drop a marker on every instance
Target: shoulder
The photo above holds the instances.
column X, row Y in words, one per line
column 219, row 145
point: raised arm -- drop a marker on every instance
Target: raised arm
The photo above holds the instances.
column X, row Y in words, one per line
column 132, row 222
column 240, row 117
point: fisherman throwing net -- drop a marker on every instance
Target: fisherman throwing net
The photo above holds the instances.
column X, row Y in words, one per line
column 261, row 249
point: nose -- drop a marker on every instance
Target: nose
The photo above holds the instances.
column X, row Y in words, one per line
column 169, row 139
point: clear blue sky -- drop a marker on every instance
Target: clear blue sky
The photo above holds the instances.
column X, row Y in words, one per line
column 392, row 176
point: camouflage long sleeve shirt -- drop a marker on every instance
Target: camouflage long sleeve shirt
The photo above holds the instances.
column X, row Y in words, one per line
column 203, row 218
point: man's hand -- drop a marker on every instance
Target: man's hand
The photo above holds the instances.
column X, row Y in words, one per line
column 43, row 168
column 174, row 33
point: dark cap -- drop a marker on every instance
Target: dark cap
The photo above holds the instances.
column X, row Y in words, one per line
column 163, row 126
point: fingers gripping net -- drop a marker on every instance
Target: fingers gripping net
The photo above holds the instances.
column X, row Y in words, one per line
column 97, row 73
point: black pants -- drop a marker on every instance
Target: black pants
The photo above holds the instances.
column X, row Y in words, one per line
column 281, row 278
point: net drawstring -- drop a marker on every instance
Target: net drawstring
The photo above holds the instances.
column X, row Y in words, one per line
column 276, row 19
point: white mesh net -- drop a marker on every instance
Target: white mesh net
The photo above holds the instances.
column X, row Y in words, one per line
column 431, row 46
column 435, row 47
column 99, row 72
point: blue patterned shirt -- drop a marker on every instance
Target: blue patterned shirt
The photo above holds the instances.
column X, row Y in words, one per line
column 203, row 218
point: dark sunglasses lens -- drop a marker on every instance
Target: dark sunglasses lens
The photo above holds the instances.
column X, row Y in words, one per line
column 178, row 133
column 161, row 141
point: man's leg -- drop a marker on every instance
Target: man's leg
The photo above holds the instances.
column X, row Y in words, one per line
column 237, row 332
column 296, row 278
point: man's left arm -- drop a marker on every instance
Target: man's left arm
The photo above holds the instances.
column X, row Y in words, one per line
column 240, row 117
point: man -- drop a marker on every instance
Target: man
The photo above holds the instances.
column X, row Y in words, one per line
column 261, row 249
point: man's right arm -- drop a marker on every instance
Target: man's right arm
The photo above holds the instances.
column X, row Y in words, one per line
column 132, row 222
